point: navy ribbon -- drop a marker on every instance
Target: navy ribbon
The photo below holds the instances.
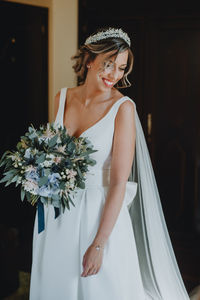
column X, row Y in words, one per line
column 41, row 215
column 57, row 212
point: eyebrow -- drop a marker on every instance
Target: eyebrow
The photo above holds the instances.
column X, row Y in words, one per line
column 109, row 60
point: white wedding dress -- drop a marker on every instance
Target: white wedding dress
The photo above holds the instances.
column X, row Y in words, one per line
column 138, row 261
column 58, row 250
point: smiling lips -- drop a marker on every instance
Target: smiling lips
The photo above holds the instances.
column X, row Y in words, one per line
column 107, row 82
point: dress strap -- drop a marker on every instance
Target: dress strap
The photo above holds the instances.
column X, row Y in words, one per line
column 60, row 113
column 119, row 102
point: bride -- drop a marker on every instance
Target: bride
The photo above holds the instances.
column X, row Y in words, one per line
column 114, row 244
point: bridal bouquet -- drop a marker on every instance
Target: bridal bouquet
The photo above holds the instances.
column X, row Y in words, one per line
column 49, row 164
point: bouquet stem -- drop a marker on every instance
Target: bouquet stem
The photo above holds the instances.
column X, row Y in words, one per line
column 34, row 199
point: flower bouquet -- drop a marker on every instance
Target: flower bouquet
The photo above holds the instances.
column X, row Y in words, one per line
column 50, row 165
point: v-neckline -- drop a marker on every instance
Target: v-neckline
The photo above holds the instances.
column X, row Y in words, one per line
column 95, row 124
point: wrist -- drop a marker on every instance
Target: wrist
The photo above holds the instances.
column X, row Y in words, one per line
column 97, row 246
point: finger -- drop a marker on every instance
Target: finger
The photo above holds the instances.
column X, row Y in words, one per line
column 85, row 271
column 83, row 263
column 92, row 271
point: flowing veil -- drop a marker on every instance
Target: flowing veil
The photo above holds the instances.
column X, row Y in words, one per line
column 160, row 273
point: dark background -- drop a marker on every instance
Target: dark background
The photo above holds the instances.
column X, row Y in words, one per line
column 165, row 87
column 24, row 100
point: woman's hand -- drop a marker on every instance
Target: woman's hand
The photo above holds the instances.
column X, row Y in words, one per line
column 92, row 261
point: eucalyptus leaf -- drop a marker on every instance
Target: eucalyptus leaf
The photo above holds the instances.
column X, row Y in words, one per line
column 3, row 163
column 32, row 136
column 22, row 194
column 81, row 184
column 8, row 182
column 42, row 181
column 71, row 200
column 66, row 202
column 41, row 158
column 15, row 178
column 79, row 172
column 92, row 162
column 62, row 185
column 28, row 196
column 11, row 172
column 6, row 178
column 71, row 146
column 4, row 155
column 53, row 141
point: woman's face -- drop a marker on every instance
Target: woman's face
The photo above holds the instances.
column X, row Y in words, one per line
column 106, row 71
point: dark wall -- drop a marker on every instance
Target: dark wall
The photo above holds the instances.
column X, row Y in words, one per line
column 24, row 100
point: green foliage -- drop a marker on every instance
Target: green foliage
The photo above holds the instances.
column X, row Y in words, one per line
column 42, row 161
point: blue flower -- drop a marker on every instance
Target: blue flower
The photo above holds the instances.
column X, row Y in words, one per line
column 45, row 191
column 53, row 181
column 27, row 153
column 33, row 175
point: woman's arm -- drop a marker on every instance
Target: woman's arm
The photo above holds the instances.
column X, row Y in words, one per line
column 122, row 158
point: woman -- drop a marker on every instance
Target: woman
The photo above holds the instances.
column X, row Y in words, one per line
column 94, row 251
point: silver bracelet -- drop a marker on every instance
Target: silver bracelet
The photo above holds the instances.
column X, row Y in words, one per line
column 98, row 247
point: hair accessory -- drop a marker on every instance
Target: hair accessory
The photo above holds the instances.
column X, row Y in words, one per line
column 111, row 32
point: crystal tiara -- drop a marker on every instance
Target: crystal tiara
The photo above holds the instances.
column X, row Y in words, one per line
column 111, row 32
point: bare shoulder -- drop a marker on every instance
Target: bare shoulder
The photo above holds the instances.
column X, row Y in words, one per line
column 125, row 117
column 70, row 92
column 73, row 92
column 126, row 110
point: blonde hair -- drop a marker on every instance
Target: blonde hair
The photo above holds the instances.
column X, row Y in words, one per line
column 87, row 53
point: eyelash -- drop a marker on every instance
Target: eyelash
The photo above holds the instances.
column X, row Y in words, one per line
column 109, row 64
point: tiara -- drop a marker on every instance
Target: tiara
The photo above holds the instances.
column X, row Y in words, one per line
column 111, row 32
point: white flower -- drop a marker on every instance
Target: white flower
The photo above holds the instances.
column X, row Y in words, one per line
column 47, row 163
column 35, row 151
column 57, row 160
column 61, row 149
column 15, row 157
column 19, row 179
column 30, row 186
column 71, row 174
column 30, row 168
column 50, row 156
column 27, row 153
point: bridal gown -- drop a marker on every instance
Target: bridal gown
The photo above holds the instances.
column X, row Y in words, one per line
column 58, row 251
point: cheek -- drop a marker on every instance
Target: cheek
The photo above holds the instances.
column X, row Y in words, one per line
column 120, row 75
column 101, row 73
